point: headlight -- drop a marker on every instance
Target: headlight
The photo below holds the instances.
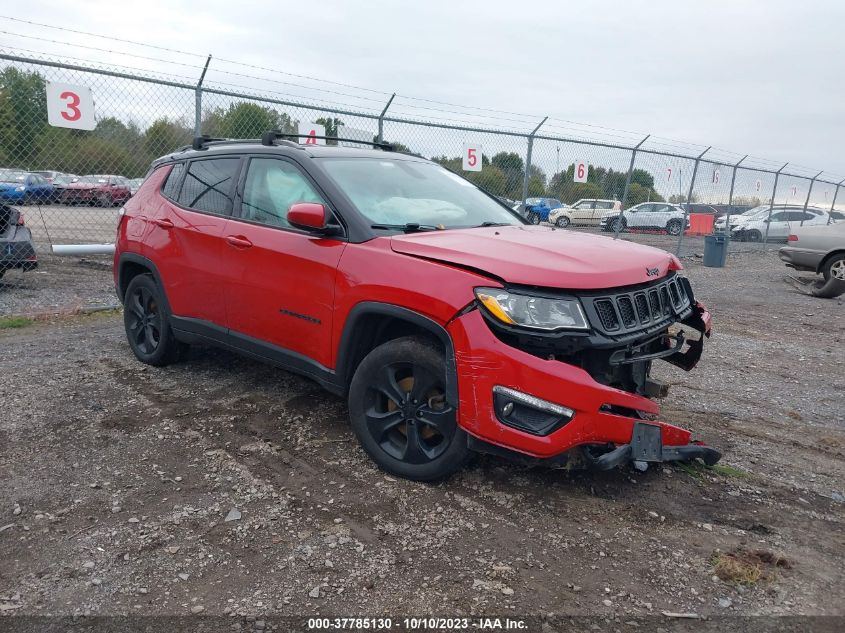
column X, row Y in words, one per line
column 538, row 313
column 20, row 188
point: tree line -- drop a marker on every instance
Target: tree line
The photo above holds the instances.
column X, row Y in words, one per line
column 28, row 143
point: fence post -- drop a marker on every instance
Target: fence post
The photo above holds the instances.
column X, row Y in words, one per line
column 198, row 93
column 627, row 185
column 833, row 204
column 731, row 204
column 689, row 201
column 809, row 191
column 772, row 203
column 528, row 160
column 381, row 118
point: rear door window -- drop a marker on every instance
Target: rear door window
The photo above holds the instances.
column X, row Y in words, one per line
column 170, row 189
column 209, row 185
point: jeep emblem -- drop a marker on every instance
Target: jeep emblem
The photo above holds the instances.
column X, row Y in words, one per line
column 652, row 272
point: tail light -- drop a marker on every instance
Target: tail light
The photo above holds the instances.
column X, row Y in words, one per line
column 793, row 238
column 20, row 221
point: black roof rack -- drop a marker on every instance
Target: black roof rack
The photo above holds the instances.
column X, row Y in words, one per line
column 271, row 136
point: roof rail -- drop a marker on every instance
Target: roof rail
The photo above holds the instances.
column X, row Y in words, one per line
column 271, row 136
column 200, row 142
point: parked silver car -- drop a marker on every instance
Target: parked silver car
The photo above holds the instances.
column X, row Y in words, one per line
column 819, row 249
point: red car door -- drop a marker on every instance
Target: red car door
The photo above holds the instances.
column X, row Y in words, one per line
column 186, row 236
column 280, row 281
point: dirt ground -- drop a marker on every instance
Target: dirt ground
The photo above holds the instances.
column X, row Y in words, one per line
column 225, row 487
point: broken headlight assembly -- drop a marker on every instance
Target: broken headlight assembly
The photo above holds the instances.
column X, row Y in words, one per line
column 529, row 311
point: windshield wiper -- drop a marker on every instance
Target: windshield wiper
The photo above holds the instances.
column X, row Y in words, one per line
column 410, row 227
column 492, row 224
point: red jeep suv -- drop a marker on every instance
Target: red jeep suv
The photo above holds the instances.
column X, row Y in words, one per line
column 451, row 325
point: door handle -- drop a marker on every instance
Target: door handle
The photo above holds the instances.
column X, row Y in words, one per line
column 238, row 241
column 163, row 223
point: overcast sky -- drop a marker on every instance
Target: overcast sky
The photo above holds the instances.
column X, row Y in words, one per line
column 751, row 76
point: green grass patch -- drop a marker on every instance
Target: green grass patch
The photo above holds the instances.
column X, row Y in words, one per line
column 728, row 471
column 11, row 323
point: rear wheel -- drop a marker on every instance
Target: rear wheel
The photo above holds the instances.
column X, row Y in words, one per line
column 562, row 222
column 147, row 326
column 104, row 200
column 673, row 227
column 399, row 412
column 834, row 267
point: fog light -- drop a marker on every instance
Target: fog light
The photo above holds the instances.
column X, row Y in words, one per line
column 529, row 413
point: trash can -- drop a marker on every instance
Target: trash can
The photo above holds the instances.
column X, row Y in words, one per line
column 715, row 250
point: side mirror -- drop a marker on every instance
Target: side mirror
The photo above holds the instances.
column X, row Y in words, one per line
column 310, row 216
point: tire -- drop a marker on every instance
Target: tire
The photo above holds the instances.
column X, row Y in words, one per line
column 398, row 411
column 562, row 222
column 147, row 325
column 673, row 227
column 616, row 222
column 753, row 236
column 104, row 200
column 534, row 218
column 834, row 267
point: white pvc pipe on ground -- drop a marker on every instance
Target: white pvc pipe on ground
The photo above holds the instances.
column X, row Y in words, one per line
column 83, row 249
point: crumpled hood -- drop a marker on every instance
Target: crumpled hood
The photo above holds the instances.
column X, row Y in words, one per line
column 542, row 256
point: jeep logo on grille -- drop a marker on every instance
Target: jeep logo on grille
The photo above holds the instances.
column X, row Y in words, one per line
column 652, row 272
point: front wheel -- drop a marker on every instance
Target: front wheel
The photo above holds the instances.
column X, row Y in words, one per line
column 534, row 218
column 562, row 222
column 616, row 224
column 673, row 227
column 399, row 412
column 753, row 236
column 147, row 326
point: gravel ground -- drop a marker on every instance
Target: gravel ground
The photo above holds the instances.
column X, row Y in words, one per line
column 224, row 487
column 60, row 285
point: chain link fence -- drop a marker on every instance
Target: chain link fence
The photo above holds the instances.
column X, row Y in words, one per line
column 61, row 186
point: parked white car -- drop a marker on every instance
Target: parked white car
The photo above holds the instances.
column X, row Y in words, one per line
column 780, row 223
column 587, row 211
column 647, row 215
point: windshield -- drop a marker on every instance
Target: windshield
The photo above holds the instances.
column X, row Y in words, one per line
column 399, row 192
column 12, row 176
column 96, row 180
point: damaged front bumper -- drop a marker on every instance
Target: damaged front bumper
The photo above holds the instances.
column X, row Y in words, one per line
column 647, row 446
column 562, row 406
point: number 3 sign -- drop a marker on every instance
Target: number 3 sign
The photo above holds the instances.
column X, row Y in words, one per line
column 70, row 106
column 472, row 157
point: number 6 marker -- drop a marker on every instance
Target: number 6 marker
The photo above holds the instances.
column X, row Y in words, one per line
column 581, row 171
column 70, row 106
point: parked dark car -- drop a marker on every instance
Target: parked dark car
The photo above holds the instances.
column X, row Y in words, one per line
column 60, row 183
column 16, row 247
column 99, row 190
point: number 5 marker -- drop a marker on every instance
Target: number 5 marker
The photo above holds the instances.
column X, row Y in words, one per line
column 472, row 157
